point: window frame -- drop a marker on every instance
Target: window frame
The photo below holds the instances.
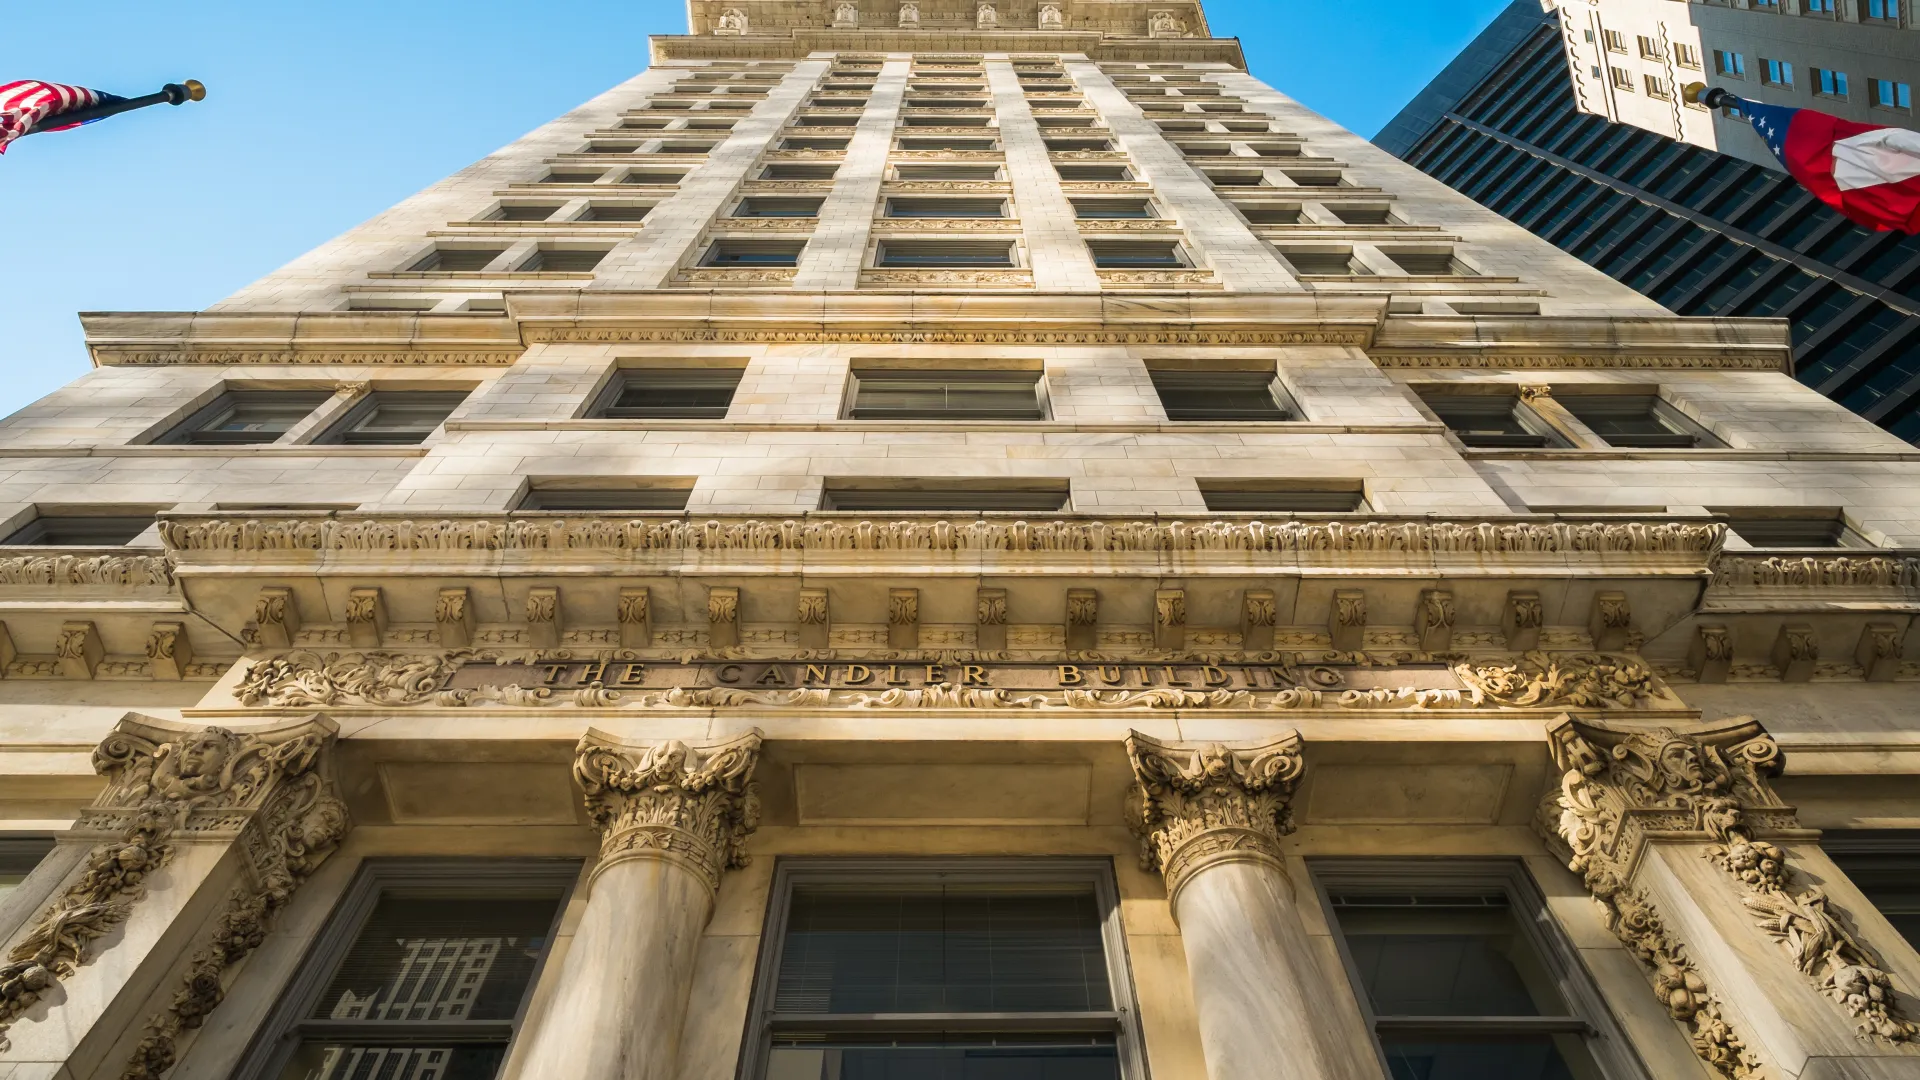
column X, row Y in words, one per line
column 601, row 404
column 1042, row 405
column 280, row 1033
column 182, row 432
column 341, row 431
column 1096, row 872
column 1282, row 399
column 1606, row 1042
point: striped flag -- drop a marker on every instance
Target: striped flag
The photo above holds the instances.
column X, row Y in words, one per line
column 1868, row 172
column 29, row 102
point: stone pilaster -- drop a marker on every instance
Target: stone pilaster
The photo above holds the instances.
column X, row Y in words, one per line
column 672, row 819
column 186, row 813
column 1699, row 869
column 1210, row 819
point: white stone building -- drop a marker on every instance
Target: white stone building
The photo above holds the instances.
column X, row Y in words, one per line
column 1631, row 61
column 1041, row 555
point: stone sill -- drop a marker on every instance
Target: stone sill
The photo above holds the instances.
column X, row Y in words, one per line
column 1051, row 427
column 546, row 230
column 475, row 275
column 239, row 450
column 575, row 191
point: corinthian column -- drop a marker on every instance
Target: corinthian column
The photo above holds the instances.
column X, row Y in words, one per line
column 1753, row 941
column 200, row 838
column 1210, row 819
column 672, row 818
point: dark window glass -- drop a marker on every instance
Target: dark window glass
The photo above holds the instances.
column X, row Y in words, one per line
column 248, row 416
column 1135, row 254
column 977, row 173
column 951, row 496
column 606, row 499
column 1630, row 420
column 396, row 417
column 1886, row 868
column 615, row 212
column 752, row 253
column 563, row 260
column 946, row 395
column 799, row 172
column 525, row 212
column 938, row 253
column 1490, row 420
column 783, row 208
column 1097, row 209
column 672, row 395
column 457, row 260
column 1219, row 395
column 1792, row 530
column 946, row 208
column 71, row 530
column 1280, row 498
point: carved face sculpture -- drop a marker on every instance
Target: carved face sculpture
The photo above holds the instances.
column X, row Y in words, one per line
column 1680, row 763
column 204, row 757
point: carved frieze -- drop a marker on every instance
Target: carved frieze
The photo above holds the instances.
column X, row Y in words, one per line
column 269, row 790
column 1198, row 806
column 693, row 806
column 1619, row 788
column 634, row 611
column 61, row 570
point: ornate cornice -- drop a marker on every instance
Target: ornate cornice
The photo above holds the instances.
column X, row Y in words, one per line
column 694, row 806
column 61, row 570
column 1815, row 571
column 1330, row 335
column 1702, row 361
column 1623, row 788
column 269, row 790
column 1194, row 807
column 395, row 357
column 241, row 533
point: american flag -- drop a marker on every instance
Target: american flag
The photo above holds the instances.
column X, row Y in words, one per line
column 29, row 101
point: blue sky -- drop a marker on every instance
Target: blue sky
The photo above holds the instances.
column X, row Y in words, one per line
column 321, row 115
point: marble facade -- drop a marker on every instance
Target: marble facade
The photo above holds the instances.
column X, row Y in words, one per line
column 1559, row 665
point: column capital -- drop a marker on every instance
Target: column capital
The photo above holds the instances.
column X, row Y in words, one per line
column 268, row 790
column 1195, row 806
column 691, row 805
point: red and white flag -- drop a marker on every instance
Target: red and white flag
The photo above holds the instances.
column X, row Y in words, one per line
column 29, row 102
column 1868, row 172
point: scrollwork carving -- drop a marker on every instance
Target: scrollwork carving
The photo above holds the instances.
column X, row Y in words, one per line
column 1583, row 681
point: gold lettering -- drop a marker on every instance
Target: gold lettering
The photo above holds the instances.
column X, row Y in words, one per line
column 728, row 673
column 1145, row 679
column 816, row 673
column 773, row 676
column 553, row 672
column 1214, row 676
column 1278, row 675
column 936, row 673
column 858, row 674
column 592, row 673
column 1111, row 675
column 893, row 676
column 1171, row 681
column 1070, row 675
column 973, row 675
column 635, row 675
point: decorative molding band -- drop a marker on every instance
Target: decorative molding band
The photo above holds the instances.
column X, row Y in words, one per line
column 694, row 806
column 241, row 533
column 109, row 355
column 1194, row 807
column 1706, row 361
column 59, row 570
column 269, row 790
column 539, row 334
column 1801, row 572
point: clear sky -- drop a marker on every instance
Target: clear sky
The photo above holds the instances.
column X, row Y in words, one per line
column 320, row 115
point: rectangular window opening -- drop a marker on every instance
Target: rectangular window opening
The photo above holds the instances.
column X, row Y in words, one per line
column 962, row 254
column 1283, row 497
column 888, row 394
column 248, row 417
column 395, row 417
column 1222, row 395
column 1491, row 421
column 670, row 394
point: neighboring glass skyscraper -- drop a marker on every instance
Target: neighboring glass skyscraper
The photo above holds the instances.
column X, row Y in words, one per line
column 1701, row 232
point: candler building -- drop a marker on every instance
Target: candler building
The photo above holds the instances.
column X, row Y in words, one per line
column 952, row 540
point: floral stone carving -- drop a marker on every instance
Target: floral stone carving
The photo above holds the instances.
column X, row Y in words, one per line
column 1197, row 806
column 268, row 790
column 691, row 805
column 1618, row 788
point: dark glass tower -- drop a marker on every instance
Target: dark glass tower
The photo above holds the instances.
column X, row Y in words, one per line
column 1702, row 233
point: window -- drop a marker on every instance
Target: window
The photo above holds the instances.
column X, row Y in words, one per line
column 611, row 148
column 1622, row 78
column 1615, row 40
column 18, row 856
column 799, row 172
column 946, row 208
column 886, row 394
column 684, row 148
column 1137, row 254
column 948, row 142
column 1082, row 174
column 652, row 176
column 1776, row 72
column 1829, row 83
column 1655, row 86
column 1269, row 213
column 423, row 971
column 616, row 212
column 1066, row 146
column 1461, row 972
column 656, row 497
column 1649, row 48
column 1885, row 867
column 946, row 494
column 1112, row 209
column 1731, row 64
column 1888, row 94
column 457, row 259
column 1427, row 263
column 1363, row 213
column 1635, row 420
column 910, row 254
column 1490, row 421
column 1283, row 496
column 1883, row 10
column 753, row 253
column 1237, row 179
column 1816, row 7
column 524, row 212
column 813, row 144
column 1686, row 56
column 556, row 260
column 991, row 970
column 570, row 177
column 778, row 208
column 944, row 121
column 1791, row 528
column 1222, row 395
column 1320, row 263
column 669, row 394
column 975, row 173
column 248, row 416
column 392, row 417
column 80, row 530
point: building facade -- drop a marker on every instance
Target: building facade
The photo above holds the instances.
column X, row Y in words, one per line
column 1700, row 232
column 1630, row 60
column 953, row 539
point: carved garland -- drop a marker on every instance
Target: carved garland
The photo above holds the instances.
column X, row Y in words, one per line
column 270, row 790
column 1616, row 787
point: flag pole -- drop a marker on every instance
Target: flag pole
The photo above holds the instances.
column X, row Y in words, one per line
column 170, row 94
column 1712, row 98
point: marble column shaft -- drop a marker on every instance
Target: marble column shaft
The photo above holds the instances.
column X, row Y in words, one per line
column 1210, row 819
column 673, row 818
